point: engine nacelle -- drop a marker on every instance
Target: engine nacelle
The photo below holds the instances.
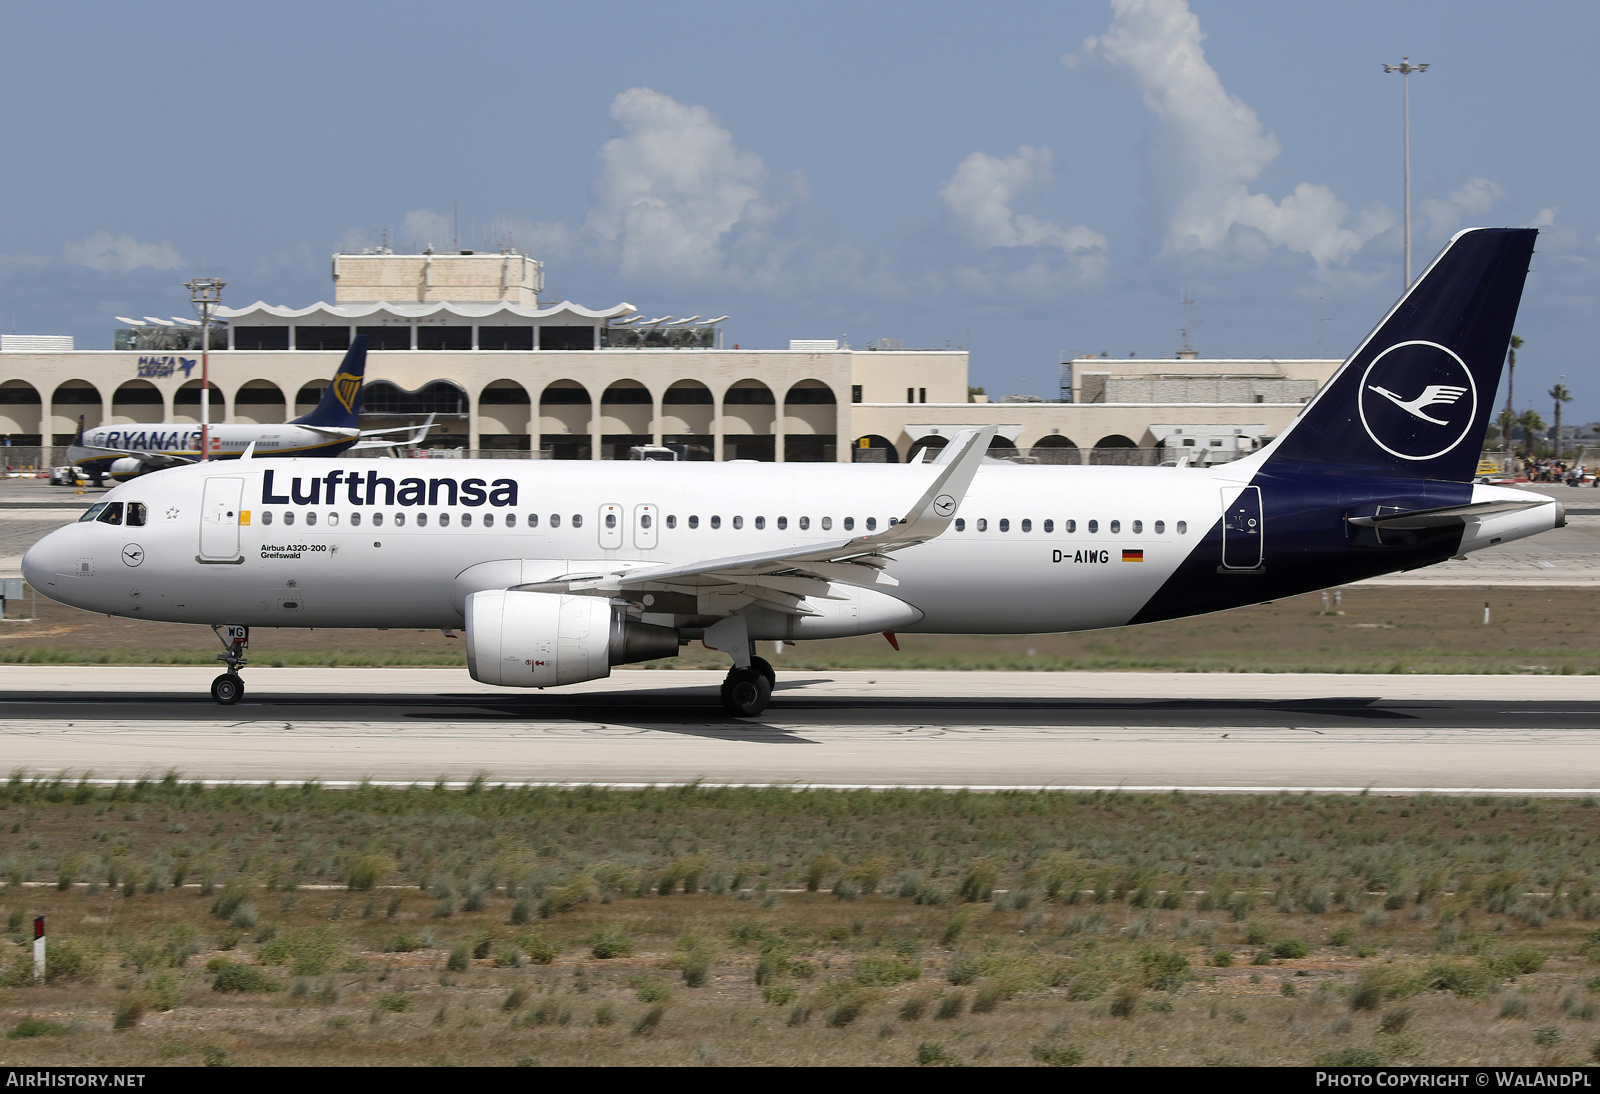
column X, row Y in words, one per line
column 126, row 467
column 538, row 640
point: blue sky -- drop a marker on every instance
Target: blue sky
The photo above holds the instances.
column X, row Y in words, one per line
column 1021, row 178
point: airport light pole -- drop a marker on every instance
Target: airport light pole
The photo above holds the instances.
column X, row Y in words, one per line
column 205, row 293
column 1406, row 68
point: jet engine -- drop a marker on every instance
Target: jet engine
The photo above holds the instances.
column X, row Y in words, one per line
column 536, row 640
column 126, row 467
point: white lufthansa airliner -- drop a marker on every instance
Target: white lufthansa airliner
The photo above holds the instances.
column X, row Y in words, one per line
column 127, row 451
column 558, row 571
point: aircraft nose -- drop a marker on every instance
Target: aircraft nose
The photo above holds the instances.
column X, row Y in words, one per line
column 39, row 562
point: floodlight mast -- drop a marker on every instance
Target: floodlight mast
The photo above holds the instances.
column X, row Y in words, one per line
column 205, row 293
column 1406, row 68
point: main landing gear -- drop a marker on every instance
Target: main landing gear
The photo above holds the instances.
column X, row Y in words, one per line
column 747, row 692
column 748, row 688
column 228, row 688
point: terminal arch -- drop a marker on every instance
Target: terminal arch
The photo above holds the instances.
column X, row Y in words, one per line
column 565, row 407
column 686, row 411
column 137, row 401
column 1054, row 448
column 259, row 402
column 874, row 444
column 505, row 410
column 21, row 412
column 71, row 400
column 933, row 441
column 626, row 411
column 186, row 403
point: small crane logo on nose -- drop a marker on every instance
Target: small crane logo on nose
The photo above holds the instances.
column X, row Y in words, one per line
column 133, row 554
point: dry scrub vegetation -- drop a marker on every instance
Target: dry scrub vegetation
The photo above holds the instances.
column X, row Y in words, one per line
column 299, row 925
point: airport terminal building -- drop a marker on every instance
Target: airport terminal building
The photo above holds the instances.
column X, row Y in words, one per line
column 463, row 336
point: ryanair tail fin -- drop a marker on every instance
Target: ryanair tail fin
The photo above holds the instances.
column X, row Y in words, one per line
column 1415, row 398
column 341, row 400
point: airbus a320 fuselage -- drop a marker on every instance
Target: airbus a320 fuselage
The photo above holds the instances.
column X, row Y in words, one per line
column 557, row 571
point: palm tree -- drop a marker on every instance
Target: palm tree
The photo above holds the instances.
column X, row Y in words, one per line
column 1531, row 423
column 1511, row 382
column 1561, row 395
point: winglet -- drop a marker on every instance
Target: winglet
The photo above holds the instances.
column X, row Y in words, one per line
column 934, row 511
column 249, row 451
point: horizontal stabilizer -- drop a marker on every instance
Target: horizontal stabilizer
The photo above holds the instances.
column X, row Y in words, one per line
column 1446, row 517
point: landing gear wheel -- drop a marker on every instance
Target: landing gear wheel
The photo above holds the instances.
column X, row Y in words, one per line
column 746, row 692
column 228, row 688
column 764, row 667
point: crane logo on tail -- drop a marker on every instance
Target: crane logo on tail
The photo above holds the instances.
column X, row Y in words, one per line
column 1418, row 400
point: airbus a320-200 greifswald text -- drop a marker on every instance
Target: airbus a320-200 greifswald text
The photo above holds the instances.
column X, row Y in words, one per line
column 558, row 571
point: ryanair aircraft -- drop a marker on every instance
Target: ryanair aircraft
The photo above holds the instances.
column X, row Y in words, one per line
column 558, row 571
column 127, row 451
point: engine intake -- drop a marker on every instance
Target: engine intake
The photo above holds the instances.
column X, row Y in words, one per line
column 537, row 640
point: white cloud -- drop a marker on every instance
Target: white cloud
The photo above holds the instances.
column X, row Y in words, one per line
column 673, row 187
column 1472, row 198
column 121, row 254
column 424, row 228
column 1211, row 146
column 980, row 195
column 1546, row 218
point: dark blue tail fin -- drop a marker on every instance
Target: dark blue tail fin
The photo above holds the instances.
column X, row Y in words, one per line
column 1415, row 399
column 341, row 400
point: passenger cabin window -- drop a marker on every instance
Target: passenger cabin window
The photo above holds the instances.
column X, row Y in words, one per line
column 783, row 524
column 805, row 524
column 827, row 523
column 511, row 520
column 1071, row 526
column 849, row 524
column 399, row 520
column 355, row 520
column 311, row 518
column 872, row 524
column 1049, row 526
column 716, row 522
column 135, row 514
column 1160, row 527
column 555, row 520
column 533, row 521
column 422, row 520
column 1182, row 527
column 1005, row 524
column 266, row 516
column 672, row 520
column 983, row 524
column 466, row 520
column 288, row 516
column 377, row 520
column 1116, row 526
column 577, row 520
column 611, row 520
column 694, row 522
column 488, row 520
column 1094, row 526
column 1027, row 526
column 444, row 520
column 761, row 522
column 738, row 522
column 961, row 524
column 333, row 520
column 112, row 513
column 1138, row 526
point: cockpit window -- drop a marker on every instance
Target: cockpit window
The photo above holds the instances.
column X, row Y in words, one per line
column 112, row 514
column 136, row 514
column 93, row 511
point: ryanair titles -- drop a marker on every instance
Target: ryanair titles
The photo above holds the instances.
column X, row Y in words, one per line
column 375, row 489
column 145, row 439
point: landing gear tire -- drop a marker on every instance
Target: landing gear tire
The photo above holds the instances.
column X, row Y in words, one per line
column 746, row 692
column 228, row 688
column 764, row 667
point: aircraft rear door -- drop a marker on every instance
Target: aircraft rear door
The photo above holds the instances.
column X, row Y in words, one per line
column 1242, row 530
column 219, row 520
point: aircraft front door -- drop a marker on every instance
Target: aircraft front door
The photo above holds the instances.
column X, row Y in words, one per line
column 1242, row 530
column 219, row 520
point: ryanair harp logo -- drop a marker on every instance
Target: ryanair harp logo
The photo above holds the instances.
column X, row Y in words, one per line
column 345, row 388
column 1417, row 400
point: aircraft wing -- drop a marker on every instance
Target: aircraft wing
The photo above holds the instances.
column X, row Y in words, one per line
column 781, row 579
column 417, row 435
column 154, row 461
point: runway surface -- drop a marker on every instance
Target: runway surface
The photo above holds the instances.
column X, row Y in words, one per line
column 1506, row 734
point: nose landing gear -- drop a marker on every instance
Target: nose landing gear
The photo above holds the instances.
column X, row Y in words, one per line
column 228, row 688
